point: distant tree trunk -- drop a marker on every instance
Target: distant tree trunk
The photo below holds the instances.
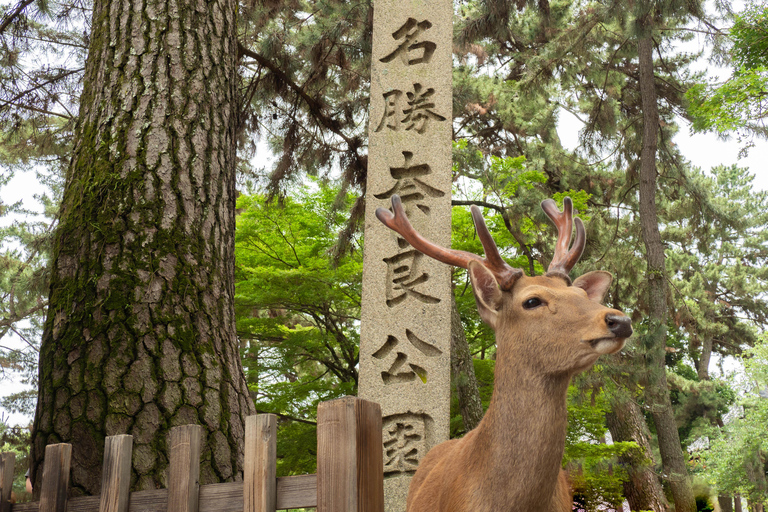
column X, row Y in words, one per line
column 706, row 355
column 464, row 373
column 140, row 335
column 657, row 391
column 643, row 489
column 725, row 502
column 737, row 503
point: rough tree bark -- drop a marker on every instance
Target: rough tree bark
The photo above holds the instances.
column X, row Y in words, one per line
column 463, row 371
column 626, row 423
column 657, row 392
column 725, row 502
column 140, row 333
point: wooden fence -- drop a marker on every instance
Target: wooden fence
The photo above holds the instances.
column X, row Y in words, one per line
column 350, row 471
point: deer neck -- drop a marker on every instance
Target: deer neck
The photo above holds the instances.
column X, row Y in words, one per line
column 522, row 436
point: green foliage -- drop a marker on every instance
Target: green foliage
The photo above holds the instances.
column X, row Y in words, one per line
column 580, row 200
column 42, row 51
column 735, row 105
column 297, row 315
column 750, row 36
column 511, row 175
column 703, row 504
column 698, row 404
column 737, row 458
column 306, row 87
column 739, row 104
column 16, row 440
column 717, row 259
column 595, row 474
column 24, row 253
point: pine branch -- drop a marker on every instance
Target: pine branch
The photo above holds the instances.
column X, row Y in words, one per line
column 315, row 107
column 41, row 85
column 15, row 14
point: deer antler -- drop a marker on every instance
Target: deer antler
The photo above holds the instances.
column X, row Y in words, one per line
column 504, row 273
column 564, row 259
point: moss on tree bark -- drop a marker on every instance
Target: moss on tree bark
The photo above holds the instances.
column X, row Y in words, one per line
column 140, row 334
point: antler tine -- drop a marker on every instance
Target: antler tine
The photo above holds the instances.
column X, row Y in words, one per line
column 506, row 275
column 492, row 256
column 565, row 259
column 398, row 221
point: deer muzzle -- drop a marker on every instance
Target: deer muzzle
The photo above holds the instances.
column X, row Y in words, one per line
column 619, row 325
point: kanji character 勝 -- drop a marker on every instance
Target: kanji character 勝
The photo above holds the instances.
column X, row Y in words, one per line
column 415, row 116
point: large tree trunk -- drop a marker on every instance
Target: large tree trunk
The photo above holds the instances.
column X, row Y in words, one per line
column 140, row 335
column 463, row 371
column 626, row 423
column 657, row 392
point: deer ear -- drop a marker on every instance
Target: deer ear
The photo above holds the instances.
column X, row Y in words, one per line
column 595, row 283
column 487, row 292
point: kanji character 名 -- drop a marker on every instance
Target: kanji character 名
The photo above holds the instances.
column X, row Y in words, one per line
column 410, row 32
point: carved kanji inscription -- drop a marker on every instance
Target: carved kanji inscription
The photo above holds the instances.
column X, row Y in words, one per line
column 404, row 275
column 402, row 369
column 405, row 442
column 412, row 44
column 410, row 185
column 413, row 114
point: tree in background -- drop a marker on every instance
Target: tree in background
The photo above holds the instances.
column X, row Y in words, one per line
column 736, row 461
column 739, row 104
column 298, row 316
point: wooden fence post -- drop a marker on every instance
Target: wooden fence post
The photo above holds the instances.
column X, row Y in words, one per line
column 116, row 474
column 259, row 479
column 350, row 460
column 184, row 478
column 7, row 467
column 55, row 485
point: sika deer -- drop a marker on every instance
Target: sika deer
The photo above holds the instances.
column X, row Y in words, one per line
column 547, row 330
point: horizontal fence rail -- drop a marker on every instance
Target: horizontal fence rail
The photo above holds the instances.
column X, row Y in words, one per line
column 350, row 471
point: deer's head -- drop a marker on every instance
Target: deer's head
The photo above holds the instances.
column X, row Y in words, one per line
column 554, row 325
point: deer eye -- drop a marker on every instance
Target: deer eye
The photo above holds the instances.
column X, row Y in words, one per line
column 532, row 303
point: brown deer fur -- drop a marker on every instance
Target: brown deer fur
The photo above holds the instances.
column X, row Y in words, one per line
column 511, row 461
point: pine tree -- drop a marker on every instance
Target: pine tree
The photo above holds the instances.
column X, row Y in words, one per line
column 140, row 333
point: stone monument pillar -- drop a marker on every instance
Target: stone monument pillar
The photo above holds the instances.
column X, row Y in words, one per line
column 406, row 305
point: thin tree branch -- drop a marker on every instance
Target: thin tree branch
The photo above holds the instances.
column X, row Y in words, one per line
column 314, row 106
column 38, row 110
column 15, row 14
column 38, row 86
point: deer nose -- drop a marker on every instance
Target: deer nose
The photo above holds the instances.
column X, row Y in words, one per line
column 619, row 325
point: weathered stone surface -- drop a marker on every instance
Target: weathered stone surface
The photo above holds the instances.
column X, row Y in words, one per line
column 405, row 334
